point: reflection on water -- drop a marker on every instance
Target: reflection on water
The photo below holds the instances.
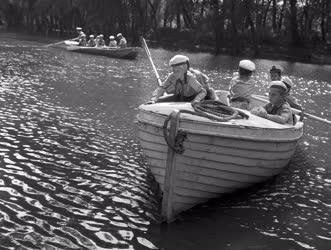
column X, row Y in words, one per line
column 72, row 175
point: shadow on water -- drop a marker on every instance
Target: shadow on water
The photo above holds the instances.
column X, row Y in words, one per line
column 72, row 174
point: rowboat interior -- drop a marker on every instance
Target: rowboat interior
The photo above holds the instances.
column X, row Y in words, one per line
column 217, row 157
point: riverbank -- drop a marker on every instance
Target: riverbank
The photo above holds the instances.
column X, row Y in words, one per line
column 322, row 56
column 264, row 52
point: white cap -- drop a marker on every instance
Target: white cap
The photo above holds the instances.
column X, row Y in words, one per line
column 91, row 35
column 78, row 28
column 287, row 81
column 119, row 34
column 247, row 64
column 178, row 59
column 278, row 84
column 101, row 35
column 111, row 37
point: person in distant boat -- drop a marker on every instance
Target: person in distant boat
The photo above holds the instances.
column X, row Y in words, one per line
column 122, row 43
column 96, row 40
column 82, row 41
column 181, row 84
column 242, row 86
column 277, row 110
column 80, row 34
column 112, row 42
column 101, row 42
column 91, row 42
column 276, row 73
column 290, row 99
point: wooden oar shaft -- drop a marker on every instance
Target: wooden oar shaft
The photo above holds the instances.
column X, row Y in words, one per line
column 52, row 44
column 148, row 53
column 314, row 117
column 296, row 111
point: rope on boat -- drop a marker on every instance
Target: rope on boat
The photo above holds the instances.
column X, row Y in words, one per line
column 214, row 110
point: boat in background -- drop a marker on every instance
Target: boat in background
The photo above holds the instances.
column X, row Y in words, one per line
column 123, row 53
column 215, row 158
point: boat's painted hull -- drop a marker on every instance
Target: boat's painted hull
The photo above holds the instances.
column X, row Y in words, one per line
column 212, row 163
column 123, row 53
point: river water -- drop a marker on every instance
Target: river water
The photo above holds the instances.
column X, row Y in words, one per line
column 72, row 175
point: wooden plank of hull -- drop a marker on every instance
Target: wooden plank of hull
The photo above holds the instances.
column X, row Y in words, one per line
column 157, row 166
column 221, row 158
column 151, row 133
column 218, row 173
column 190, row 147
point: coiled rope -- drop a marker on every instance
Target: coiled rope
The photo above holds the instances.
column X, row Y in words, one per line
column 214, row 110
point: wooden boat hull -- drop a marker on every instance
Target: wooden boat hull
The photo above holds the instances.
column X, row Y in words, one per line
column 123, row 53
column 218, row 158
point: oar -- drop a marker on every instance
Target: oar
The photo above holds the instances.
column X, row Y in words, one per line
column 52, row 44
column 148, row 53
column 296, row 111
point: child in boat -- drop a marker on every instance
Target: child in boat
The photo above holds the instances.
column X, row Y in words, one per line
column 91, row 42
column 181, row 84
column 122, row 43
column 82, row 41
column 96, row 40
column 101, row 41
column 290, row 99
column 242, row 86
column 276, row 73
column 112, row 42
column 80, row 34
column 277, row 110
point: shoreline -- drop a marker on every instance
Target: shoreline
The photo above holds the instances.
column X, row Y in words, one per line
column 265, row 52
column 301, row 55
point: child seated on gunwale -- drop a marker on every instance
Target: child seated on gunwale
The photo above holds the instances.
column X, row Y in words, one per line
column 290, row 99
column 112, row 42
column 277, row 110
column 276, row 75
column 91, row 42
column 241, row 86
column 82, row 41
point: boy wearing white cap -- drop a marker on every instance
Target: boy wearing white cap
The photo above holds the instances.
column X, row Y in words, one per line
column 181, row 83
column 290, row 99
column 82, row 41
column 122, row 43
column 112, row 42
column 91, row 42
column 277, row 110
column 101, row 41
column 242, row 86
column 80, row 34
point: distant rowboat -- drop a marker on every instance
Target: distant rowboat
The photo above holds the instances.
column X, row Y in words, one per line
column 217, row 157
column 123, row 53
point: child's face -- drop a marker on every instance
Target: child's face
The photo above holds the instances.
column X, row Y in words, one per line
column 179, row 70
column 275, row 96
column 275, row 76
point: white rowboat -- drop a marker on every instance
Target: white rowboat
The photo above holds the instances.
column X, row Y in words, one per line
column 217, row 157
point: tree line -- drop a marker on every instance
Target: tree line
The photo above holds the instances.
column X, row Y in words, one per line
column 235, row 24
